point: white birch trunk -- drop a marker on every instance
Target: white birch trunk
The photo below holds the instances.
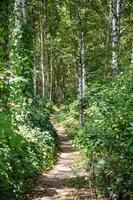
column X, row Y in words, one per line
column 51, row 74
column 132, row 55
column 35, row 80
column 81, row 78
column 116, row 4
column 23, row 10
column 46, row 62
column 51, row 81
column 18, row 8
column 42, row 54
column 81, row 67
column 35, row 71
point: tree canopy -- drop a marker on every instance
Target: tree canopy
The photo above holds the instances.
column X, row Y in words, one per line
column 79, row 54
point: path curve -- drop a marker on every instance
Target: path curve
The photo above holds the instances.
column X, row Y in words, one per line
column 57, row 184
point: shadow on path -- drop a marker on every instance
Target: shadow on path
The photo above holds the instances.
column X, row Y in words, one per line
column 62, row 182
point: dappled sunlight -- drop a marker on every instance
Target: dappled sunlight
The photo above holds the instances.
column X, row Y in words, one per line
column 63, row 181
column 66, row 100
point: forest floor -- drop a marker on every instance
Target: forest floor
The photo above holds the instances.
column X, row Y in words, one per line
column 65, row 181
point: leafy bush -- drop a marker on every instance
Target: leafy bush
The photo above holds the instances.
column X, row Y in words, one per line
column 71, row 125
column 106, row 137
column 27, row 146
column 68, row 117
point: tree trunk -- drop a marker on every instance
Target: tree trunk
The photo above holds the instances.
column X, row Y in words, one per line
column 42, row 50
column 34, row 70
column 132, row 55
column 116, row 4
column 23, row 10
column 46, row 57
column 47, row 70
column 51, row 74
column 81, row 77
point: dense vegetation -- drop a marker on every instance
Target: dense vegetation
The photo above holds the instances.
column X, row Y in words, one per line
column 78, row 54
column 106, row 137
column 28, row 145
column 28, row 142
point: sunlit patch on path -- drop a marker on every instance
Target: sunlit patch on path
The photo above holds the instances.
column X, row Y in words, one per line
column 60, row 182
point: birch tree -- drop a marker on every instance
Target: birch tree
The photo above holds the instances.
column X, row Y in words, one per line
column 116, row 8
column 132, row 55
column 46, row 51
column 81, row 68
column 51, row 71
column 23, row 10
column 35, row 69
column 42, row 49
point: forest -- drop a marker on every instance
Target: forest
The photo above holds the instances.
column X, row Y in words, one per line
column 66, row 89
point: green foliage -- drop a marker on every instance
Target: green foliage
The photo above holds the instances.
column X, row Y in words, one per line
column 28, row 141
column 68, row 117
column 71, row 125
column 106, row 137
column 27, row 147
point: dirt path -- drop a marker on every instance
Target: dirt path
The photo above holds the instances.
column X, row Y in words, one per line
column 62, row 181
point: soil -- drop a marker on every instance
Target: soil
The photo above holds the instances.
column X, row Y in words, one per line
column 63, row 182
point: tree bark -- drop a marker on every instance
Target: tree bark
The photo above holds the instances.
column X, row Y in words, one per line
column 46, row 55
column 46, row 73
column 132, row 54
column 51, row 73
column 81, row 78
column 34, row 70
column 42, row 50
column 23, row 10
column 116, row 5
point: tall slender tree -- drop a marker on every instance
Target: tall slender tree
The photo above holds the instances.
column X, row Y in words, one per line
column 81, row 68
column 116, row 10
column 132, row 54
column 42, row 48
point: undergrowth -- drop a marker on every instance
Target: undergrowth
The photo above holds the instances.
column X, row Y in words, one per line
column 106, row 137
column 28, row 145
